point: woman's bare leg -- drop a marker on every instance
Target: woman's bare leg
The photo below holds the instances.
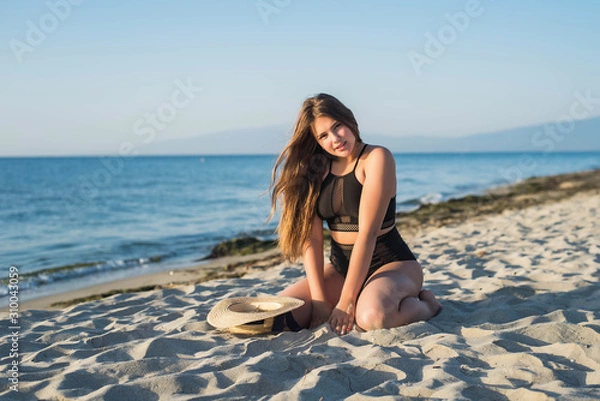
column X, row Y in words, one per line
column 393, row 297
column 333, row 288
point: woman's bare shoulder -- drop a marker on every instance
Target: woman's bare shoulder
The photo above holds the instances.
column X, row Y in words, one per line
column 377, row 161
column 377, row 153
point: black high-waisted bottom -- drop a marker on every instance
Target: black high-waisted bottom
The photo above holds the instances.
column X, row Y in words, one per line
column 390, row 247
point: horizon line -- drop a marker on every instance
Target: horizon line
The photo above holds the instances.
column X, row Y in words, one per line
column 277, row 154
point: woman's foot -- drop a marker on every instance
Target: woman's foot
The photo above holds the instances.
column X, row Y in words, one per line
column 434, row 305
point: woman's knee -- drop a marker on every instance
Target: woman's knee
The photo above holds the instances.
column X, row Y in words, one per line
column 373, row 316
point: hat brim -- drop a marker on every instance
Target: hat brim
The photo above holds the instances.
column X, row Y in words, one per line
column 233, row 312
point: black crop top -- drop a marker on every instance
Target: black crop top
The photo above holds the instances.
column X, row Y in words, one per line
column 339, row 201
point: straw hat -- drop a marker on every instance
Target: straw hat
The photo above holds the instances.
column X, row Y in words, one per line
column 250, row 315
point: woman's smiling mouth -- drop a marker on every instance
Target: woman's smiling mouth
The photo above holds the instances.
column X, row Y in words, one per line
column 340, row 146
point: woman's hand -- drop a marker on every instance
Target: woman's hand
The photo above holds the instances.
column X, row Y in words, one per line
column 321, row 311
column 342, row 318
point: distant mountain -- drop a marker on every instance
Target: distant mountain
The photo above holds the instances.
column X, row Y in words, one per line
column 268, row 140
column 581, row 136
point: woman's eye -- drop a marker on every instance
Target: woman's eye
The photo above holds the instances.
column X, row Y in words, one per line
column 337, row 125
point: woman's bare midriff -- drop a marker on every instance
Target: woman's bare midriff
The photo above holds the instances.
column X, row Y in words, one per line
column 349, row 238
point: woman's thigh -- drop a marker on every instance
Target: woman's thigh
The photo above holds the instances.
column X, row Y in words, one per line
column 389, row 285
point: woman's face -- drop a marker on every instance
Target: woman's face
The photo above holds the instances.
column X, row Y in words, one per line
column 334, row 137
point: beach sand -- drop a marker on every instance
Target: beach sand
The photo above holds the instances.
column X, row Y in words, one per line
column 521, row 321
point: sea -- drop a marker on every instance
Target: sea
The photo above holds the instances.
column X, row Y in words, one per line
column 71, row 222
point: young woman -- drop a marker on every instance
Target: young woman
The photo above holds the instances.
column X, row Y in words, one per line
column 326, row 172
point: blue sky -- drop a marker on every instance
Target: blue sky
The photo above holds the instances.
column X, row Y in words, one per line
column 85, row 76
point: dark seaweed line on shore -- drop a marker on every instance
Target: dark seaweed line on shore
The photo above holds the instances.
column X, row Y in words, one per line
column 530, row 192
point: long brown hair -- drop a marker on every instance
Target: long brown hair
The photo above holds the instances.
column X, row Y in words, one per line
column 303, row 163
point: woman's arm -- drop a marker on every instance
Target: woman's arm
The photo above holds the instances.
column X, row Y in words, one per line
column 378, row 188
column 315, row 273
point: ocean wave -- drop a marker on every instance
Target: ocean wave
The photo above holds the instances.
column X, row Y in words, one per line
column 422, row 200
column 431, row 198
column 78, row 270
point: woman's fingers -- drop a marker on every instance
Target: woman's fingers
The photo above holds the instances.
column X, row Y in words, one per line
column 342, row 321
column 341, row 325
column 343, row 328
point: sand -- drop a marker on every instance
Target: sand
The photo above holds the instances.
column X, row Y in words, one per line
column 521, row 321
